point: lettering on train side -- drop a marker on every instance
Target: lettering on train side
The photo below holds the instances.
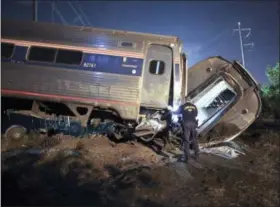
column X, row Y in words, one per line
column 89, row 65
column 129, row 66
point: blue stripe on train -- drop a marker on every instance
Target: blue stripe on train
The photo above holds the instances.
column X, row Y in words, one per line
column 90, row 62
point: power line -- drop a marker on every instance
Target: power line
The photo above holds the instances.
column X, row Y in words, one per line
column 239, row 30
column 215, row 38
column 54, row 9
column 83, row 14
column 208, row 44
column 59, row 14
column 77, row 13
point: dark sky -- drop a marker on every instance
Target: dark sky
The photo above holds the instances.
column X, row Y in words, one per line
column 206, row 28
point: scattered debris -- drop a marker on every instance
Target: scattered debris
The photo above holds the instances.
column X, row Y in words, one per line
column 229, row 150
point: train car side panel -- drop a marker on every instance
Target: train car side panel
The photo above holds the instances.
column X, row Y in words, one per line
column 101, row 80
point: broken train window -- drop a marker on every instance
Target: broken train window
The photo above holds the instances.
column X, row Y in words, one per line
column 157, row 67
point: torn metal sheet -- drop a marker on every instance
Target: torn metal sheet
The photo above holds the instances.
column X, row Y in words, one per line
column 228, row 150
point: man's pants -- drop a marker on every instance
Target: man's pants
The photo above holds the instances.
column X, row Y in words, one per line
column 190, row 137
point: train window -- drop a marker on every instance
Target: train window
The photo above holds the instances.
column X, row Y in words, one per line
column 7, row 50
column 157, row 67
column 69, row 57
column 126, row 44
column 42, row 54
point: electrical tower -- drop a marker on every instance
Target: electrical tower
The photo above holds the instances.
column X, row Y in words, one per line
column 240, row 30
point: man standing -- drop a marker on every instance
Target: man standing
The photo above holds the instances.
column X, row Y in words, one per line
column 189, row 122
column 189, row 125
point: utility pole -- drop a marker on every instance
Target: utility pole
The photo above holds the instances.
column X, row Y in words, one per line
column 241, row 40
column 35, row 10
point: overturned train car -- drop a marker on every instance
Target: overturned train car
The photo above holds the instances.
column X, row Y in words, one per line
column 68, row 78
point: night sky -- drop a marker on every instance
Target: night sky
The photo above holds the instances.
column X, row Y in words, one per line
column 206, row 28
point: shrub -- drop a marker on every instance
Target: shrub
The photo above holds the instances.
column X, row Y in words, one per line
column 271, row 93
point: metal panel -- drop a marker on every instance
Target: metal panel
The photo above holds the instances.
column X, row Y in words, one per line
column 155, row 88
column 68, row 35
column 72, row 83
column 79, row 36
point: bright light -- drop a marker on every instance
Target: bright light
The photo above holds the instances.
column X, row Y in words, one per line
column 174, row 108
column 175, row 118
column 170, row 108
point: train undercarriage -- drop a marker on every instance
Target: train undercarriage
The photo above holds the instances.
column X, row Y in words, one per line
column 23, row 116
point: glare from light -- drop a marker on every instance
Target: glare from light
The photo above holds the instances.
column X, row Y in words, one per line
column 174, row 108
column 175, row 118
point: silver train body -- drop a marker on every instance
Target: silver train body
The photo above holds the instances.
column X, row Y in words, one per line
column 130, row 74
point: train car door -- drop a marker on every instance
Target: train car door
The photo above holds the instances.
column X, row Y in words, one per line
column 157, row 76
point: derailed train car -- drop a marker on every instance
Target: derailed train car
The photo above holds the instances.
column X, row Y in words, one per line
column 74, row 79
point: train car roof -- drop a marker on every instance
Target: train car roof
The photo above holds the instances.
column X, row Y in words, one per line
column 29, row 30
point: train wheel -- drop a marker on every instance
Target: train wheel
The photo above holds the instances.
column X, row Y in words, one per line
column 15, row 133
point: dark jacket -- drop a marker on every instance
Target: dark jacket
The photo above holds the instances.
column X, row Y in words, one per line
column 189, row 111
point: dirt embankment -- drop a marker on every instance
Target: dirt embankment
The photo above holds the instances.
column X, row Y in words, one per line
column 101, row 173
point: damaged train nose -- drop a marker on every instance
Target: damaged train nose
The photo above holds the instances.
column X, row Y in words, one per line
column 227, row 98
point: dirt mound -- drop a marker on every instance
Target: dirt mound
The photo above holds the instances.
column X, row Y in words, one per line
column 98, row 172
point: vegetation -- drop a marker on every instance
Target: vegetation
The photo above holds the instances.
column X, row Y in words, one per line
column 271, row 93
